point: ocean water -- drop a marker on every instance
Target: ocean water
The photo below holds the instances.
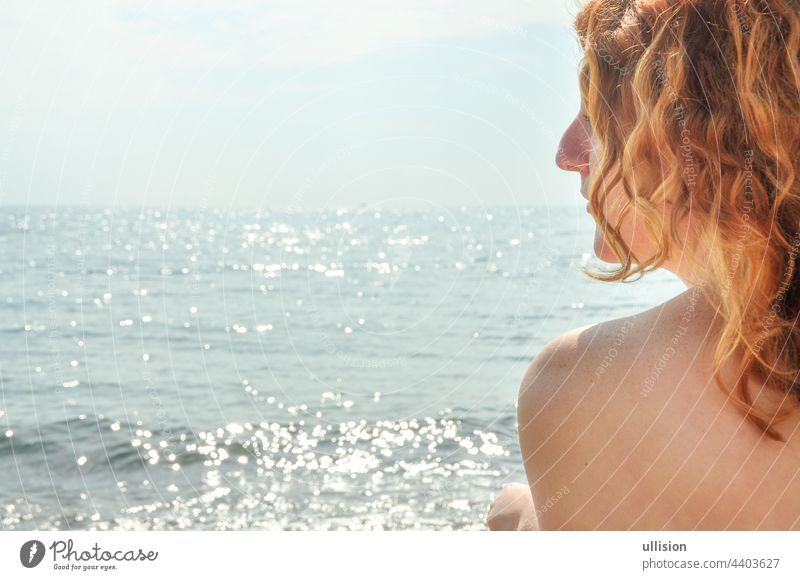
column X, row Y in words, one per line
column 280, row 370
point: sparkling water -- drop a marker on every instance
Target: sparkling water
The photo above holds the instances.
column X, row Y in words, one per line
column 295, row 369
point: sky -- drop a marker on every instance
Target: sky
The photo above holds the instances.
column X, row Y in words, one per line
column 286, row 103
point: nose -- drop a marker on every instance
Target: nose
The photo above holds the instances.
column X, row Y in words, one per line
column 573, row 150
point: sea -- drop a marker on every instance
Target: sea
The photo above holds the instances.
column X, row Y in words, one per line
column 280, row 369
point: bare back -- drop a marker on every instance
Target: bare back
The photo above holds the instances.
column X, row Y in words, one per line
column 638, row 436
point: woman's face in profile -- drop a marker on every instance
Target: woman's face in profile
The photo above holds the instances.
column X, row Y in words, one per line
column 578, row 151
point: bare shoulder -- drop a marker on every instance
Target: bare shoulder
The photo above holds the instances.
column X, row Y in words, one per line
column 569, row 363
column 586, row 422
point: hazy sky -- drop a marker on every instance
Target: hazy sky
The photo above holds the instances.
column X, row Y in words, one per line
column 286, row 102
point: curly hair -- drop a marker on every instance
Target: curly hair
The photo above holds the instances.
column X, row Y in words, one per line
column 695, row 106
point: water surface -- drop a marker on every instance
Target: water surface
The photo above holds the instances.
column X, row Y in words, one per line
column 342, row 369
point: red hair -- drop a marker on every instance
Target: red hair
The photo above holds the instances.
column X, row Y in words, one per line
column 696, row 102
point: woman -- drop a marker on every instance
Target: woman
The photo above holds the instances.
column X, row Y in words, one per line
column 683, row 417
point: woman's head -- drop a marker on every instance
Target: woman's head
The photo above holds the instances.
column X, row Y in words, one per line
column 690, row 157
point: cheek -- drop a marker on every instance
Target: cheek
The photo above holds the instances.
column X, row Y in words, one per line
column 594, row 149
column 632, row 230
column 635, row 235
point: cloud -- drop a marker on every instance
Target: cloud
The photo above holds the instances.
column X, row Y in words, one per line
column 278, row 33
column 310, row 32
column 83, row 53
column 90, row 83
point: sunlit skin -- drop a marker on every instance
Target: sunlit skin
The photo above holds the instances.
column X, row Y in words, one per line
column 685, row 459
